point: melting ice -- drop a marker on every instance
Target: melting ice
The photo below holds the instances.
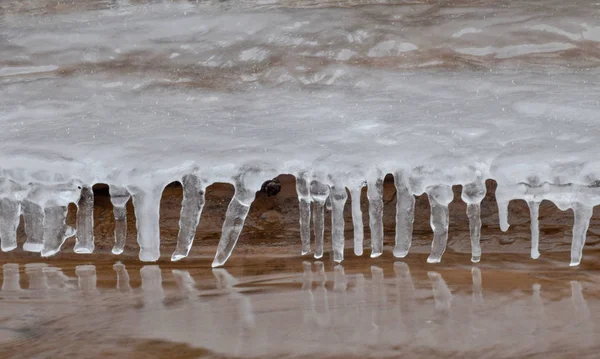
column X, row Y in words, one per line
column 138, row 96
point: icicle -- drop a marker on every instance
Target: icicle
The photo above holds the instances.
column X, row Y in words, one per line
column 146, row 203
column 472, row 195
column 122, row 277
column 56, row 230
column 86, row 278
column 33, row 216
column 319, row 193
column 11, row 278
column 375, row 196
column 405, row 216
column 502, row 203
column 10, row 211
column 581, row 222
column 234, row 221
column 534, row 209
column 302, row 188
column 84, row 241
column 191, row 209
column 439, row 198
column 119, row 198
column 338, row 200
column 357, row 220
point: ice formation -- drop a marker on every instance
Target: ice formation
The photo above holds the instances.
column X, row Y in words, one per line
column 138, row 96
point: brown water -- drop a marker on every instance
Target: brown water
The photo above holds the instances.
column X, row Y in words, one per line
column 507, row 306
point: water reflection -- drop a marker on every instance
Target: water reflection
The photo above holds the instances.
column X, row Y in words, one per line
column 385, row 310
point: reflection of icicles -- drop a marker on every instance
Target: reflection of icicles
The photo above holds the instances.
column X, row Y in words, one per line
column 303, row 191
column 439, row 198
column 152, row 288
column 375, row 196
column 322, row 316
column 441, row 295
column 33, row 216
column 534, row 212
column 10, row 210
column 477, row 296
column 36, row 275
column 357, row 220
column 11, row 278
column 119, row 198
column 245, row 187
column 378, row 292
column 582, row 312
column 186, row 284
column 340, row 282
column 86, row 278
column 56, row 279
column 472, row 195
column 122, row 277
column 405, row 290
column 319, row 193
column 146, row 202
column 84, row 241
column 191, row 209
column 227, row 282
column 581, row 222
column 338, row 200
column 405, row 216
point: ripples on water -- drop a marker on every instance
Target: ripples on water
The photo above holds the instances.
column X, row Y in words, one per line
column 274, row 309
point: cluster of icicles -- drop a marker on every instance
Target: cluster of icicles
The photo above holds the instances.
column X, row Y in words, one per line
column 44, row 209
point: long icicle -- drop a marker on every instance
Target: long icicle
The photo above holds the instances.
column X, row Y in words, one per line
column 146, row 203
column 234, row 222
column 581, row 222
column 357, row 219
column 303, row 190
column 534, row 212
column 33, row 216
column 10, row 211
column 119, row 198
column 439, row 198
column 319, row 193
column 472, row 194
column 375, row 196
column 405, row 216
column 191, row 209
column 56, row 231
column 84, row 241
column 338, row 200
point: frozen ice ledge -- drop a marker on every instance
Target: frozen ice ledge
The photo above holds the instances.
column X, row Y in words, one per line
column 140, row 96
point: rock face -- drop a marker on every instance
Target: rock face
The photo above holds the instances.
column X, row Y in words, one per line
column 272, row 225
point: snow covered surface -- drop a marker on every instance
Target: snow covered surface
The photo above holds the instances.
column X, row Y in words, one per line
column 138, row 95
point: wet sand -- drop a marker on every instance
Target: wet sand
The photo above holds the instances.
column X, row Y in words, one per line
column 507, row 306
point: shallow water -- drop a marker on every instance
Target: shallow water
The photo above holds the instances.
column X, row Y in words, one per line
column 509, row 306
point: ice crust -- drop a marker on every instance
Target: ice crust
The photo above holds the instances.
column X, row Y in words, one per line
column 139, row 96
